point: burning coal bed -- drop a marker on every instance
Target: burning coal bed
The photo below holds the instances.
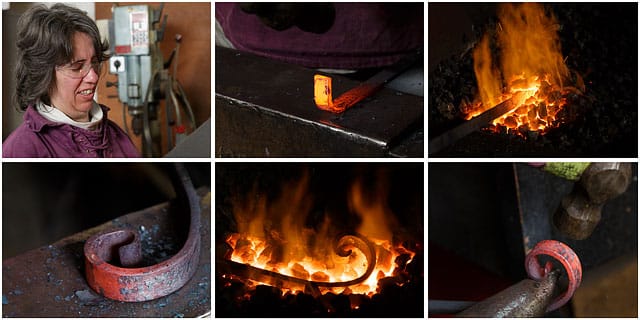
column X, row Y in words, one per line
column 570, row 71
column 277, row 264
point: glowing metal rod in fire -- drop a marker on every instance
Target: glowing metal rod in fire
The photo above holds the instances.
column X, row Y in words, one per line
column 446, row 139
column 343, row 248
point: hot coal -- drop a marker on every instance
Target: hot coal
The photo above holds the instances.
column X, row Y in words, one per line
column 233, row 299
column 599, row 42
column 400, row 295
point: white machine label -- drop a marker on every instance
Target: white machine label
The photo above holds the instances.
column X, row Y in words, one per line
column 139, row 30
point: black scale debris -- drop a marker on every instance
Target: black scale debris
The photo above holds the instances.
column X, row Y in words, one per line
column 156, row 249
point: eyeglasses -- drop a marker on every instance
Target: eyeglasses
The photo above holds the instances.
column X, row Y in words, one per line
column 79, row 70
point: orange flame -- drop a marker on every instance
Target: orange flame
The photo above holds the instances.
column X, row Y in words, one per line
column 272, row 236
column 531, row 67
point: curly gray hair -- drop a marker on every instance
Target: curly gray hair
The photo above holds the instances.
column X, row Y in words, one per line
column 45, row 40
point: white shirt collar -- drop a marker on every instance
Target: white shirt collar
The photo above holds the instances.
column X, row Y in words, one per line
column 55, row 115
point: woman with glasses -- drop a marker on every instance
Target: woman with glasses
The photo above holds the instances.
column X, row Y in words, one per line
column 60, row 57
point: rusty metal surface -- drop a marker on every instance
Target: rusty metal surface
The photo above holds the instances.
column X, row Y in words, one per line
column 266, row 108
column 50, row 281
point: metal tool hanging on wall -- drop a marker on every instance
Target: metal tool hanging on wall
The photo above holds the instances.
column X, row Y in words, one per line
column 144, row 79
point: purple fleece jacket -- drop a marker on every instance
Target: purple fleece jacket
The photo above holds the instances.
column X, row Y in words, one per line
column 38, row 137
column 364, row 35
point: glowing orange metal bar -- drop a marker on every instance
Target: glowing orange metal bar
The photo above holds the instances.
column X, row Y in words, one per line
column 323, row 91
column 323, row 95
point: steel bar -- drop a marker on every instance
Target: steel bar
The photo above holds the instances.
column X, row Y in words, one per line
column 448, row 138
column 527, row 298
column 50, row 281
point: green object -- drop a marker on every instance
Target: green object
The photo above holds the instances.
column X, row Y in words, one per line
column 567, row 170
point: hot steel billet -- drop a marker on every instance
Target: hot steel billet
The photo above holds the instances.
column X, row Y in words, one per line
column 323, row 88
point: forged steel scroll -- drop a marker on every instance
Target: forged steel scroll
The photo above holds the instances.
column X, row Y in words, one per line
column 131, row 282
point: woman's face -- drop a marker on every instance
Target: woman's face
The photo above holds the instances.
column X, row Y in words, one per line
column 73, row 95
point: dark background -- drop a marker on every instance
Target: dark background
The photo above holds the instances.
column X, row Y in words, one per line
column 45, row 202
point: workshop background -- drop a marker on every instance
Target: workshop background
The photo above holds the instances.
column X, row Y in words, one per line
column 191, row 20
column 484, row 217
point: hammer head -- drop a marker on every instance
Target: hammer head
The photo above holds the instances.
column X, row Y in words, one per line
column 577, row 216
column 606, row 180
column 580, row 211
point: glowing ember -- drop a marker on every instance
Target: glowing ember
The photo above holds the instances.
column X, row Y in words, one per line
column 257, row 252
column 272, row 236
column 531, row 70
